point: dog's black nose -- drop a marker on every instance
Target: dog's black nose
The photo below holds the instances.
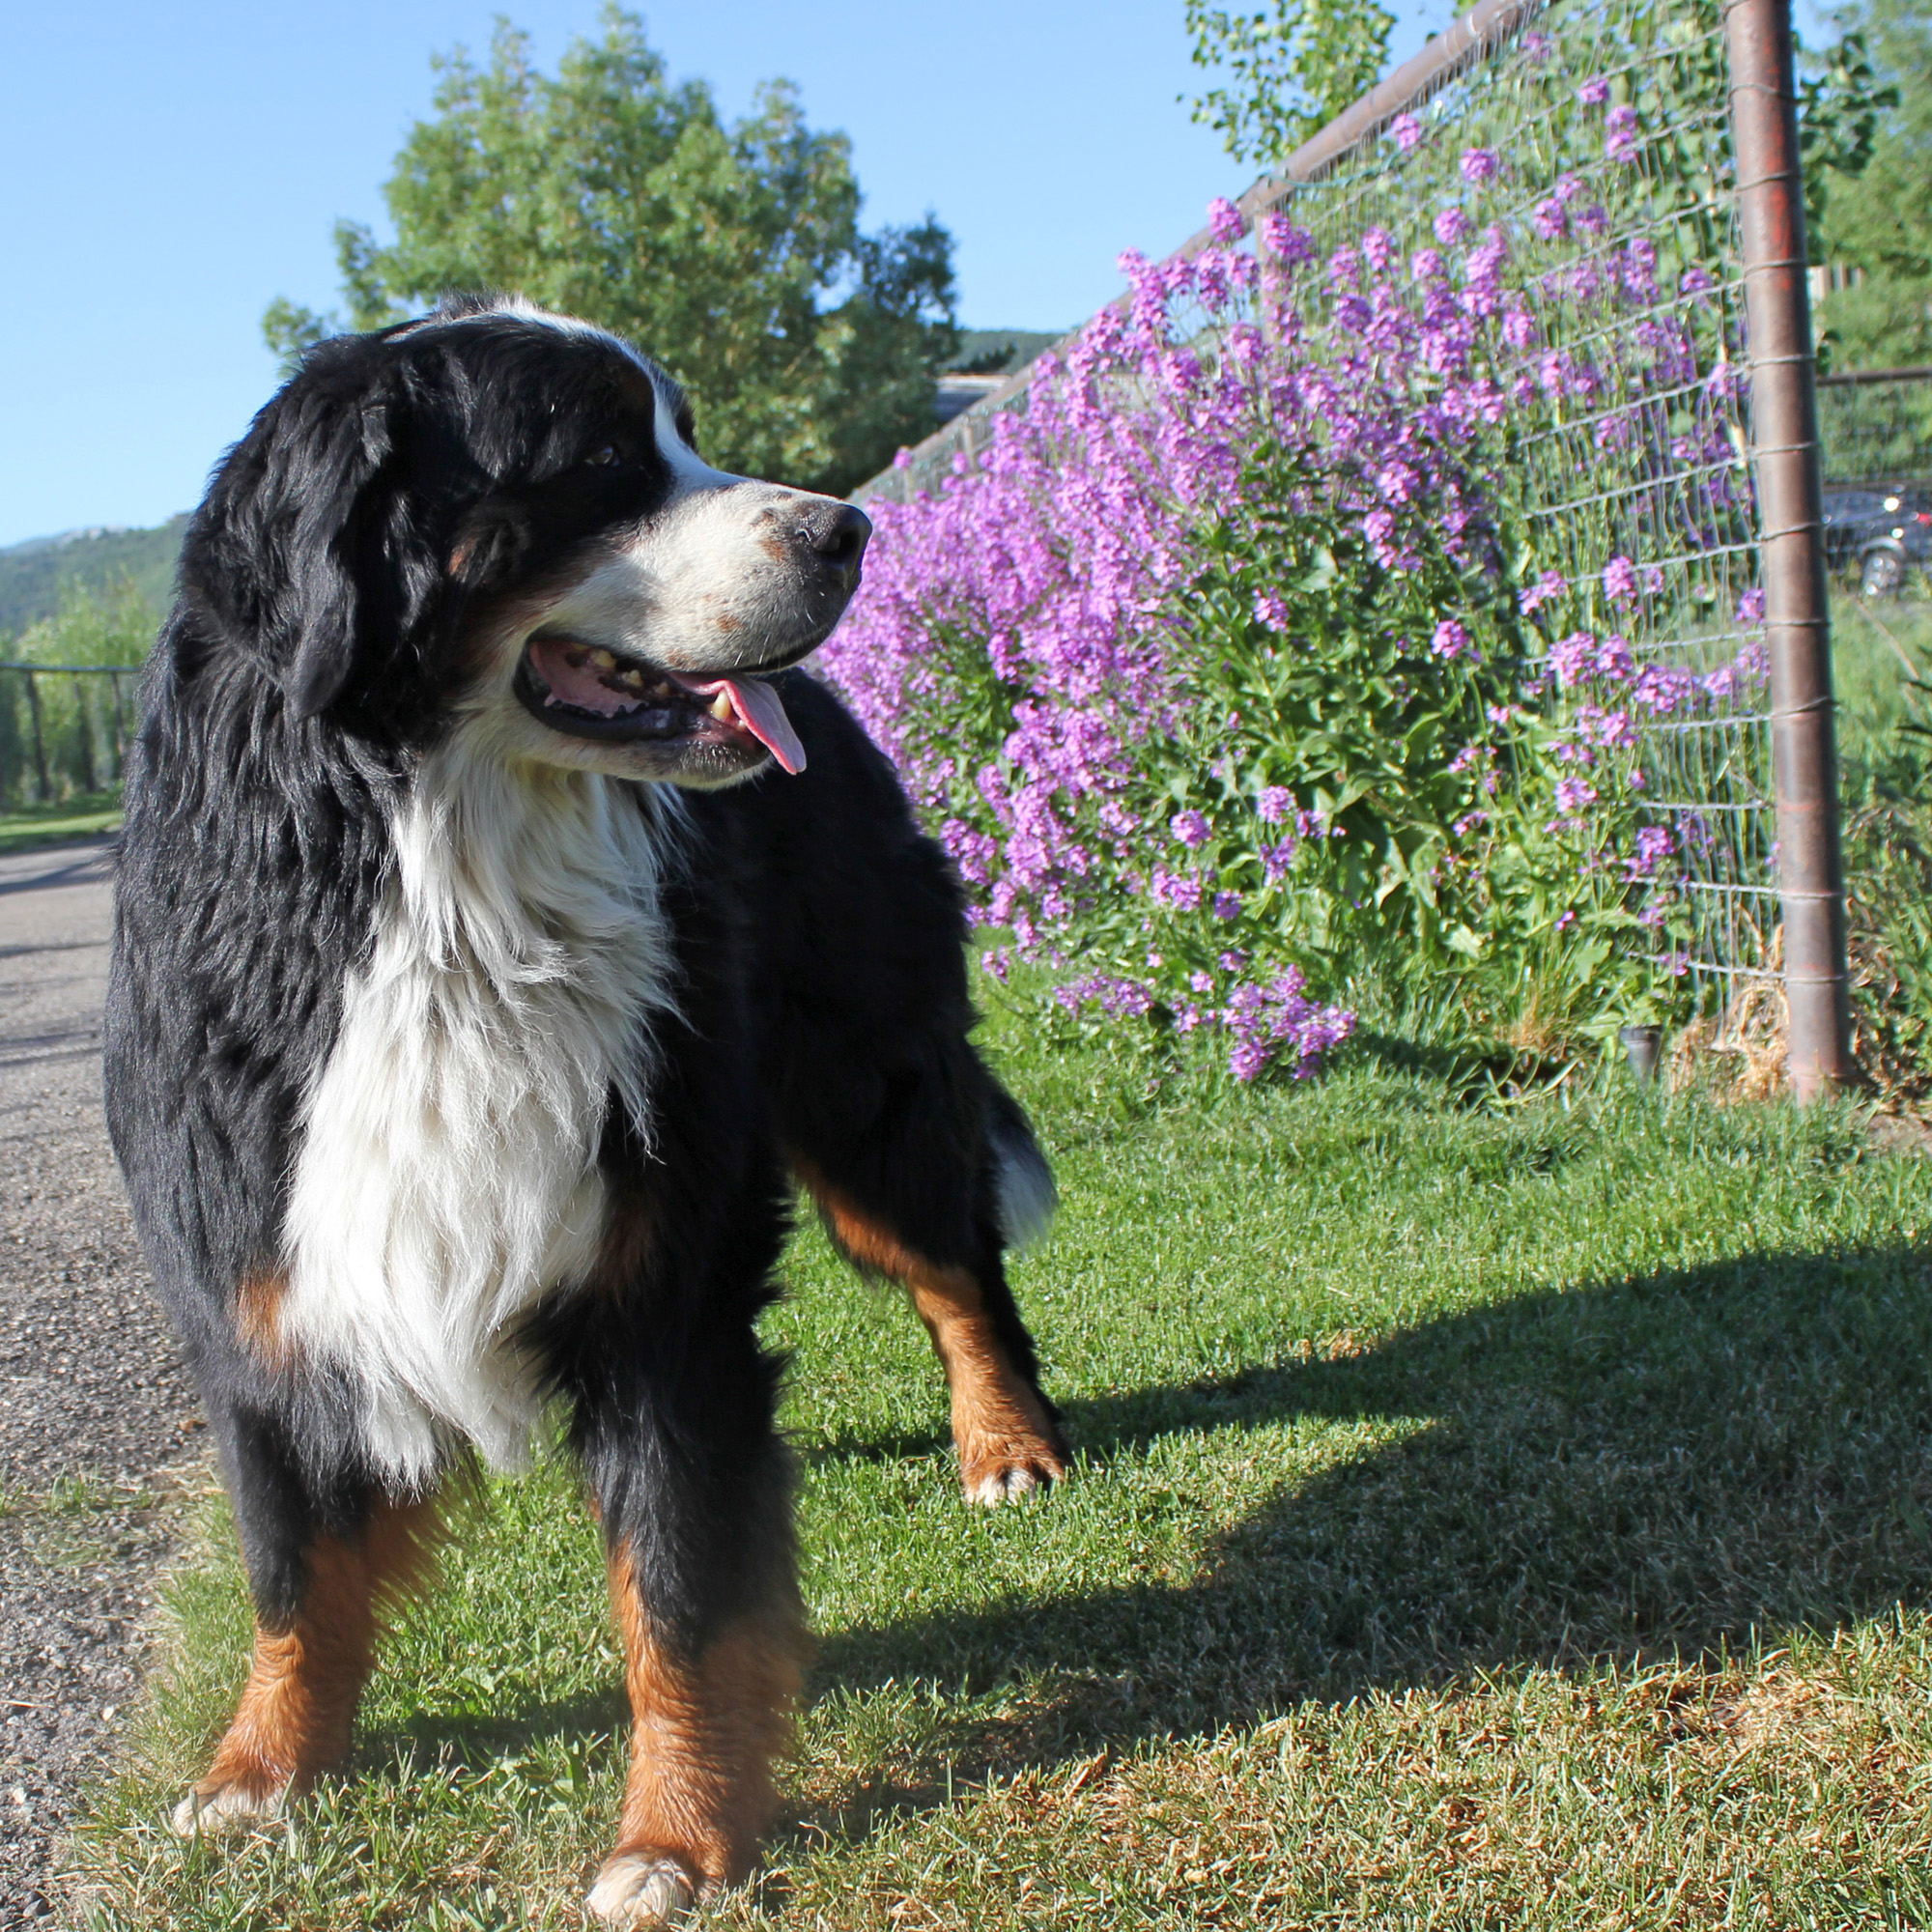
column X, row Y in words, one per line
column 836, row 535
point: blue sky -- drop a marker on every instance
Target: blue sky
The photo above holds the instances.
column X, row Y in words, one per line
column 171, row 169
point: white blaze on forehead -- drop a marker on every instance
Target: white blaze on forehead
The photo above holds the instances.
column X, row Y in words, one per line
column 710, row 582
column 517, row 309
column 689, row 468
column 672, row 447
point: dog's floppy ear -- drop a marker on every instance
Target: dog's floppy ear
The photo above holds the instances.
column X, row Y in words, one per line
column 301, row 550
column 332, row 554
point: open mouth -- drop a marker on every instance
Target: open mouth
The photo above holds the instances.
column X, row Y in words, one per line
column 592, row 693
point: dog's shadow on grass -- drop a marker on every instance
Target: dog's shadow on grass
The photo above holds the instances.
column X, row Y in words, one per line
column 1619, row 1472
column 1623, row 1471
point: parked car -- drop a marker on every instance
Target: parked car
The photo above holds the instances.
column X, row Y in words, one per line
column 1876, row 534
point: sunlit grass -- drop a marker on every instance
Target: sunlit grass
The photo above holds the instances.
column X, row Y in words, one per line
column 26, row 826
column 1477, row 1522
column 1878, row 647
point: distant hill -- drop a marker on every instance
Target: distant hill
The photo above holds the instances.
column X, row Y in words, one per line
column 32, row 574
column 1001, row 352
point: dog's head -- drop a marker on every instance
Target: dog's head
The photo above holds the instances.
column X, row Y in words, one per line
column 497, row 515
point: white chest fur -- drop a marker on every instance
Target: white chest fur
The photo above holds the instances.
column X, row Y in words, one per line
column 447, row 1175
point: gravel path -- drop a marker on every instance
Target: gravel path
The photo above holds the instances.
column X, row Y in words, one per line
column 96, row 1415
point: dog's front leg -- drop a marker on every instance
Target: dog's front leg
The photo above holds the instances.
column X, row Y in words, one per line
column 324, row 1562
column 709, row 1719
column 694, row 1496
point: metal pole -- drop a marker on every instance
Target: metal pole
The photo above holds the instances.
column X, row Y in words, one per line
column 89, row 778
column 120, row 727
column 40, row 740
column 1917, row 372
column 1784, row 431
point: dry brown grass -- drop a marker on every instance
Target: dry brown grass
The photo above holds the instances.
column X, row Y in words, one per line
column 1739, row 1055
column 1652, row 1798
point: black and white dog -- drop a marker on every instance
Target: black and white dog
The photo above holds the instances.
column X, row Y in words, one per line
column 481, row 985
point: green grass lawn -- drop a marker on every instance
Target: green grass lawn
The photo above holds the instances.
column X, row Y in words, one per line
column 1479, row 1520
column 27, row 826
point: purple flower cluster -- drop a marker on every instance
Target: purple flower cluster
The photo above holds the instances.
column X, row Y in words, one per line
column 1117, row 998
column 1267, row 1022
column 1279, row 1019
column 1660, row 691
column 1340, row 404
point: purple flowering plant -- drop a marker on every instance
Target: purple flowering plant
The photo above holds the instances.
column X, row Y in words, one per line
column 1240, row 665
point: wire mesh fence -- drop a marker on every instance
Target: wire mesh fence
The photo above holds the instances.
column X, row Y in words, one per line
column 64, row 729
column 1875, row 426
column 1631, row 441
column 1586, row 146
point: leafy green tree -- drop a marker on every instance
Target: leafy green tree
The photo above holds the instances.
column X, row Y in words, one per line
column 732, row 254
column 1878, row 217
column 60, row 736
column 1290, row 72
column 112, row 623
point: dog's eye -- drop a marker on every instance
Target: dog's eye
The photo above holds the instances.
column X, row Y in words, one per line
column 605, row 456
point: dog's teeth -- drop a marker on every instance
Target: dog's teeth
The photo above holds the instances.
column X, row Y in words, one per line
column 604, row 660
column 720, row 707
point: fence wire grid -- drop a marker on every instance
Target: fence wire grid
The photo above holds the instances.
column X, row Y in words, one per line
column 64, row 729
column 1632, row 437
column 1627, row 436
column 1876, row 427
column 1640, row 448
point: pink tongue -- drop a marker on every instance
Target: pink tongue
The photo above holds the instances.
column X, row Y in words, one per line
column 763, row 713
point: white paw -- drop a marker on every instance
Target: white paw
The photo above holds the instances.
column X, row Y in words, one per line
column 1003, row 1484
column 641, row 1888
column 230, row 1808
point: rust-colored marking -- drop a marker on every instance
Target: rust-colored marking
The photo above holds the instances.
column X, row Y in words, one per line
column 625, row 1245
column 1000, row 1426
column 258, row 1315
column 299, row 1702
column 707, row 1731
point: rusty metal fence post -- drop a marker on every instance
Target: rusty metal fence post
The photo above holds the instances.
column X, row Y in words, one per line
column 1784, row 435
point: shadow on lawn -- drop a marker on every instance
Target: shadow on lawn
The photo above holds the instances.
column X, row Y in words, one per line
column 1620, row 1471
